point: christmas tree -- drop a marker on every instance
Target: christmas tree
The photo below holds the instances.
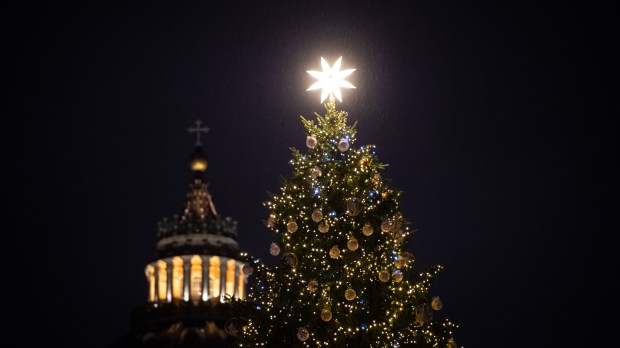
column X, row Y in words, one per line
column 346, row 279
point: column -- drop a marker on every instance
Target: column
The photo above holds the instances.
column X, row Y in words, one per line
column 187, row 264
column 205, row 277
column 223, row 263
column 156, row 299
column 169, row 280
column 236, row 280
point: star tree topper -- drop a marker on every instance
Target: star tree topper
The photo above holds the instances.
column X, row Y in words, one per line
column 331, row 80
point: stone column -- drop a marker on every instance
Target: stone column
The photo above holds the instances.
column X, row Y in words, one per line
column 223, row 263
column 156, row 268
column 235, row 293
column 169, row 280
column 187, row 264
column 205, row 277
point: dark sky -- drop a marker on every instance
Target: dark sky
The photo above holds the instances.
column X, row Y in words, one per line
column 483, row 112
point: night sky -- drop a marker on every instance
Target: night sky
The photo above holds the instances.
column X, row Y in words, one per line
column 483, row 112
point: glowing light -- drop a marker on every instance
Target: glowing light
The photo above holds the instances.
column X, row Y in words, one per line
column 331, row 79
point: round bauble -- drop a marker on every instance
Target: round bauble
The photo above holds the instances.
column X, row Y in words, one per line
column 352, row 244
column 316, row 173
column 384, row 276
column 387, row 225
column 313, row 285
column 311, row 141
column 326, row 314
column 397, row 276
column 317, row 215
column 302, row 334
column 350, row 294
column 323, row 227
column 352, row 206
column 274, row 249
column 247, row 269
column 289, row 259
column 423, row 313
column 291, row 226
column 436, row 303
column 334, row 252
column 367, row 229
column 343, row 145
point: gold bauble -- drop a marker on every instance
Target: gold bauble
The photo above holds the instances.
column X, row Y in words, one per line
column 436, row 303
column 352, row 244
column 316, row 173
column 451, row 343
column 302, row 334
column 313, row 285
column 274, row 249
column 326, row 314
column 291, row 226
column 350, row 294
column 387, row 225
column 397, row 276
column 367, row 229
column 399, row 263
column 290, row 259
column 311, row 141
column 384, row 276
column 247, row 269
column 352, row 206
column 323, row 227
column 317, row 215
column 334, row 252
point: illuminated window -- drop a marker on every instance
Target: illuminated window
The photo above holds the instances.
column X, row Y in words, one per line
column 196, row 277
column 162, row 276
column 177, row 278
column 230, row 277
column 241, row 285
column 150, row 276
column 214, row 277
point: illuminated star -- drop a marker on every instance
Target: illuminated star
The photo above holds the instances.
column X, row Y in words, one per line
column 331, row 80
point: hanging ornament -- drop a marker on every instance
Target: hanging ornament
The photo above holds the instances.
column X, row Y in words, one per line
column 451, row 343
column 313, row 285
column 352, row 244
column 271, row 220
column 317, row 215
column 326, row 314
column 364, row 159
column 290, row 259
column 423, row 313
column 232, row 327
column 274, row 249
column 407, row 256
column 436, row 303
column 367, row 229
column 376, row 179
column 343, row 145
column 352, row 206
column 399, row 263
column 384, row 276
column 323, row 227
column 302, row 334
column 397, row 276
column 247, row 269
column 291, row 226
column 311, row 141
column 350, row 294
column 334, row 252
column 316, row 173
column 387, row 225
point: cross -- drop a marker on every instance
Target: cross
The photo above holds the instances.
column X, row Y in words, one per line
column 198, row 130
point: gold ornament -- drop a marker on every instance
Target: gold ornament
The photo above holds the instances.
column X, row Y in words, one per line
column 316, row 173
column 423, row 313
column 302, row 334
column 350, row 294
column 274, row 249
column 451, row 343
column 247, row 269
column 387, row 225
column 334, row 252
column 326, row 314
column 271, row 220
column 436, row 303
column 317, row 215
column 364, row 159
column 311, row 141
column 384, row 276
column 376, row 179
column 352, row 244
column 397, row 276
column 352, row 206
column 323, row 227
column 343, row 145
column 313, row 285
column 290, row 259
column 291, row 226
column 367, row 229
